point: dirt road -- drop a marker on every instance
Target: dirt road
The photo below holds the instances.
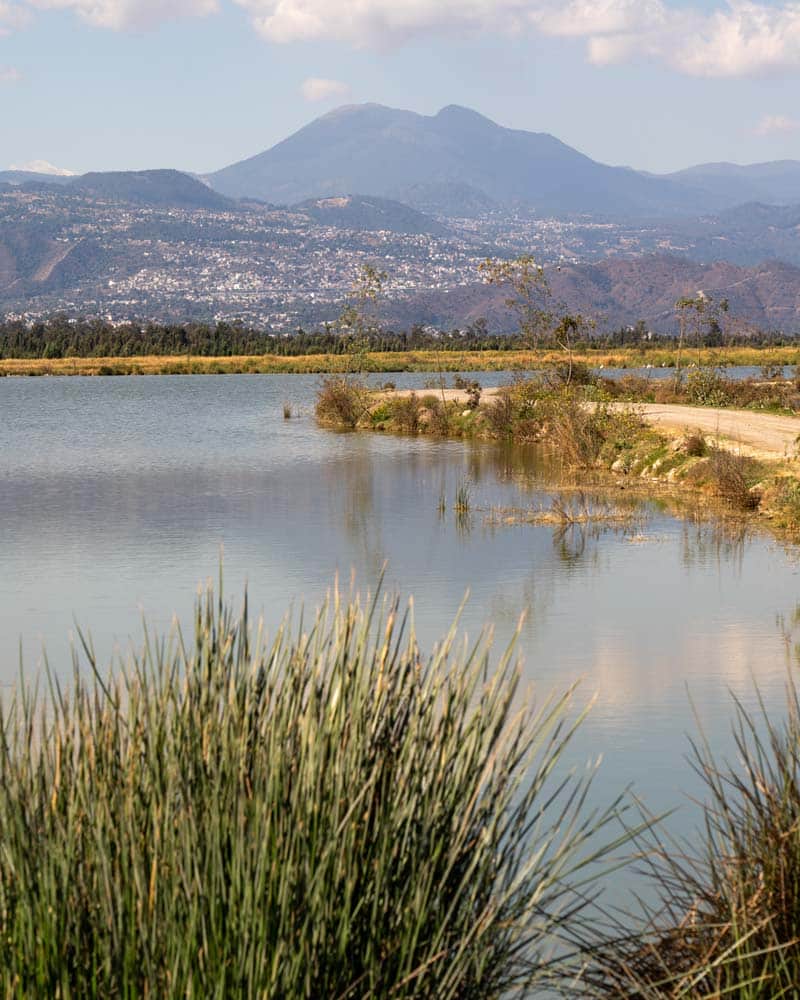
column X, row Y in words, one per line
column 763, row 435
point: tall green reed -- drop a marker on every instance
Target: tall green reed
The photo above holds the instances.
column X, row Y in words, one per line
column 726, row 919
column 320, row 814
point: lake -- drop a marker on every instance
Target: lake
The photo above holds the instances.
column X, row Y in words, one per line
column 118, row 494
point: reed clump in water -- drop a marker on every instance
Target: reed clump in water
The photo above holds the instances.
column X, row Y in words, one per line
column 728, row 920
column 321, row 815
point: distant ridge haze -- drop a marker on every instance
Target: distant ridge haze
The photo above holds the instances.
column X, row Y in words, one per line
column 456, row 163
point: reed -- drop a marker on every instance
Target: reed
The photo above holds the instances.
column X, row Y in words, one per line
column 322, row 814
column 727, row 921
column 463, row 502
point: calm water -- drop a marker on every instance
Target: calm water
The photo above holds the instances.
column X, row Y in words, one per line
column 116, row 495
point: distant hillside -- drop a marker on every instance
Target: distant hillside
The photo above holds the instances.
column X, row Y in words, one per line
column 27, row 176
column 151, row 187
column 729, row 184
column 384, row 152
column 746, row 235
column 365, row 213
column 621, row 292
column 453, row 199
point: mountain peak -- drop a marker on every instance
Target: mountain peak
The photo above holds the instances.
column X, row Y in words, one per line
column 458, row 112
column 396, row 154
column 41, row 167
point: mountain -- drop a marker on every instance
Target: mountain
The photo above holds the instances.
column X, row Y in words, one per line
column 364, row 213
column 728, row 184
column 28, row 176
column 42, row 167
column 151, row 187
column 388, row 153
column 454, row 199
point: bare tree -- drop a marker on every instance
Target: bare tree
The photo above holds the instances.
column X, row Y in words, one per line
column 528, row 293
column 360, row 318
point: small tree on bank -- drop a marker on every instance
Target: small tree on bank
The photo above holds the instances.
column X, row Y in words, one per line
column 360, row 317
column 528, row 294
column 702, row 317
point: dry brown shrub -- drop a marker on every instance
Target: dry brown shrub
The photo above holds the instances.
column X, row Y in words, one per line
column 732, row 476
column 694, row 444
column 573, row 430
column 341, row 402
column 437, row 415
column 407, row 413
column 500, row 415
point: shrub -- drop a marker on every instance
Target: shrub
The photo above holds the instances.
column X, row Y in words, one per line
column 320, row 816
column 786, row 505
column 706, row 387
column 407, row 411
column 573, row 430
column 472, row 388
column 570, row 373
column 695, row 445
column 732, row 476
column 500, row 415
column 341, row 402
column 437, row 415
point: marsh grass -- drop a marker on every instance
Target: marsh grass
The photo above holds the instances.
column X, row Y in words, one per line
column 463, row 501
column 727, row 923
column 322, row 814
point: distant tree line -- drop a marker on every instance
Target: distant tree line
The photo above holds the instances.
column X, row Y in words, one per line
column 60, row 337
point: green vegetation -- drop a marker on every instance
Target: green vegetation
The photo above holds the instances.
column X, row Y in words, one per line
column 61, row 338
column 326, row 814
column 707, row 387
column 727, row 920
column 578, row 418
column 323, row 814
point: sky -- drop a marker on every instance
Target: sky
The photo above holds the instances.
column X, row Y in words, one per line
column 198, row 84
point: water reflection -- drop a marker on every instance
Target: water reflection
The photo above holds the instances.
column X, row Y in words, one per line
column 717, row 541
column 116, row 495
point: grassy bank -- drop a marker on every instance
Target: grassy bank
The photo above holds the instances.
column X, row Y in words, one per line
column 586, row 434
column 394, row 361
column 327, row 814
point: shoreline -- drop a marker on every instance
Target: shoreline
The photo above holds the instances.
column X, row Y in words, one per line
column 743, row 461
column 389, row 362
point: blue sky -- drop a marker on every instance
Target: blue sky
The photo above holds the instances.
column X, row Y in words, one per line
column 198, row 84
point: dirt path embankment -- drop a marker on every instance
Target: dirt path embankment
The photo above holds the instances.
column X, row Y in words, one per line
column 763, row 435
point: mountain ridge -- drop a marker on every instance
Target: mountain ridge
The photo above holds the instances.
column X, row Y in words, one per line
column 387, row 152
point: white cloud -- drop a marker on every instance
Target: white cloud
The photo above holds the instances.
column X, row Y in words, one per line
column 734, row 38
column 317, row 88
column 738, row 38
column 776, row 125
column 124, row 14
column 8, row 74
column 746, row 39
column 12, row 16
